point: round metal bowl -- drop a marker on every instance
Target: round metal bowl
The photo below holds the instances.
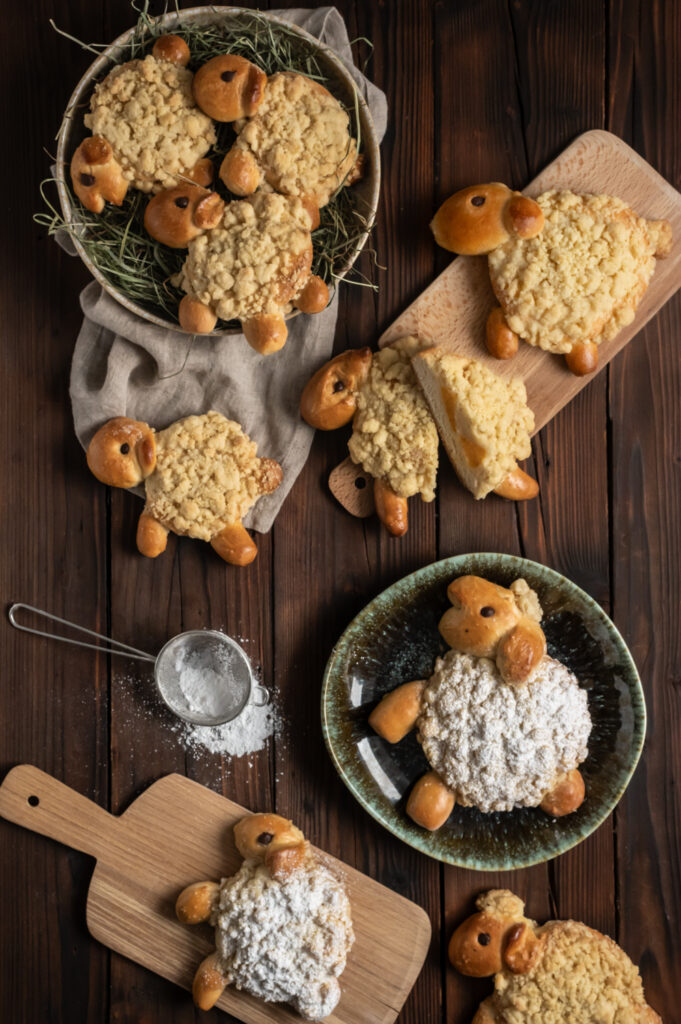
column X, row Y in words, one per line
column 72, row 132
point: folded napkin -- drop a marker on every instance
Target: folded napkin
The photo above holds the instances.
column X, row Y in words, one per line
column 125, row 366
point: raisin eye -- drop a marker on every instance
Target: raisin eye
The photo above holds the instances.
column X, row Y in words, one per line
column 487, row 612
column 125, row 448
column 227, row 76
column 484, row 938
column 182, row 202
column 265, row 838
column 339, row 386
column 478, row 200
column 87, row 179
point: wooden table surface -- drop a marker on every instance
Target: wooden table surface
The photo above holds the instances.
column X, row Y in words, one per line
column 478, row 90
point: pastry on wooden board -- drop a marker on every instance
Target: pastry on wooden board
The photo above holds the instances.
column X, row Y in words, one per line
column 502, row 724
column 283, row 924
column 292, row 134
column 562, row 972
column 569, row 269
column 148, row 132
column 248, row 260
column 201, row 476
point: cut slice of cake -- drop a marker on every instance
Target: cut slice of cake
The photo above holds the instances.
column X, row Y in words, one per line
column 483, row 419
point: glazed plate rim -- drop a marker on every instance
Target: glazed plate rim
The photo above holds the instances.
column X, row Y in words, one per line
column 352, row 772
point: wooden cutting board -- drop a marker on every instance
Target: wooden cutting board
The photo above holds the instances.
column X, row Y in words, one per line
column 453, row 310
column 179, row 832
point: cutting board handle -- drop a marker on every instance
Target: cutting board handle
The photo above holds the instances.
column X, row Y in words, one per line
column 36, row 800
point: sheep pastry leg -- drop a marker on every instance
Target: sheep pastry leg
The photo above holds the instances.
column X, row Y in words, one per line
column 430, row 802
column 314, row 296
column 502, row 342
column 239, row 172
column 566, row 796
column 391, row 509
column 194, row 905
column 209, row 983
column 195, row 317
column 152, row 537
column 518, row 486
column 265, row 333
column 582, row 358
column 235, row 545
column 397, row 712
column 96, row 176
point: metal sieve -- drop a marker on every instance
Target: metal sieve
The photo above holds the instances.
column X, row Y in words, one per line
column 203, row 676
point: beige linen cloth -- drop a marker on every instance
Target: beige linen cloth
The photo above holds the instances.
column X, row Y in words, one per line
column 124, row 366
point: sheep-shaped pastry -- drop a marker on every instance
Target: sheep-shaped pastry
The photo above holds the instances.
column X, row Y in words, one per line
column 249, row 260
column 201, row 476
column 501, row 724
column 394, row 437
column 569, row 269
column 292, row 134
column 147, row 130
column 283, row 927
column 561, row 972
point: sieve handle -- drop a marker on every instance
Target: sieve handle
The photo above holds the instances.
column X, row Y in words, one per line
column 110, row 646
column 260, row 695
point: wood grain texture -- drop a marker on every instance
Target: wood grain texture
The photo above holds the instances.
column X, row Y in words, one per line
column 178, row 832
column 477, row 90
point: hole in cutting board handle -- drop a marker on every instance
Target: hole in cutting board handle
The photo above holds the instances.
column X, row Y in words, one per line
column 33, row 801
column 360, row 483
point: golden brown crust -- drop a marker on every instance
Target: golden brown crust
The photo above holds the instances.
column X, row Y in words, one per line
column 209, row 983
column 518, row 486
column 152, row 536
column 229, row 87
column 265, row 333
column 523, row 949
column 391, row 509
column 235, row 545
column 270, row 476
column 176, row 215
column 566, row 795
column 479, row 218
column 582, row 358
column 329, row 399
column 96, row 175
column 430, row 802
column 395, row 715
column 195, row 903
column 502, row 342
column 171, row 48
column 202, row 172
column 520, row 652
column 195, row 317
column 314, row 296
column 239, row 172
column 283, row 863
column 122, row 453
column 258, row 835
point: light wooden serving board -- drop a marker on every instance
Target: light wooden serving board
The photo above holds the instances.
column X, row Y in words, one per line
column 178, row 832
column 453, row 310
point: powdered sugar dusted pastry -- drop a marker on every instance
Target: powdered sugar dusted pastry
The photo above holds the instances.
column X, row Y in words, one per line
column 569, row 269
column 201, row 476
column 148, row 128
column 500, row 733
column 394, row 437
column 559, row 973
column 283, row 926
column 249, row 260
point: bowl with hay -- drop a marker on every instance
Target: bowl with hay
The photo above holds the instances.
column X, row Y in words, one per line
column 131, row 266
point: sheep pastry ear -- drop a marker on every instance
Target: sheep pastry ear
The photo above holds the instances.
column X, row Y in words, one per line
column 329, row 399
column 266, row 333
column 520, row 652
column 177, row 215
column 566, row 796
column 397, row 712
column 314, row 296
column 476, row 220
column 195, row 317
column 96, row 176
column 391, row 509
column 122, row 453
column 152, row 537
column 173, row 49
column 209, row 983
column 239, row 172
column 523, row 949
column 195, row 903
column 229, row 87
column 235, row 545
column 430, row 802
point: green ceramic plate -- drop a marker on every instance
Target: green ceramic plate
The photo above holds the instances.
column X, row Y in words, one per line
column 395, row 639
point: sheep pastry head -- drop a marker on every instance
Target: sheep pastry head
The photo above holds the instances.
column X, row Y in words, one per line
column 249, row 260
column 292, row 134
column 122, row 150
column 534, row 967
column 201, row 476
column 280, row 870
column 568, row 269
column 486, row 622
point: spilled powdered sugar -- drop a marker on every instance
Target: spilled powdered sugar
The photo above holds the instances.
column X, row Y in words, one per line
column 245, row 735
